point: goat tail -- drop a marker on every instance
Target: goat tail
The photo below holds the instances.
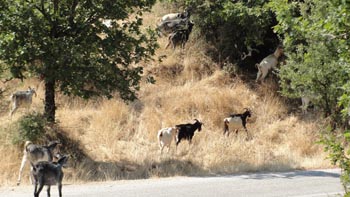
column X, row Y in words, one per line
column 160, row 135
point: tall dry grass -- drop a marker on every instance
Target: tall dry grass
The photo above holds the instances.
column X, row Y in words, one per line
column 119, row 141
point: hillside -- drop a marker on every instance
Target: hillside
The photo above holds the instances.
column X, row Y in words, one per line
column 115, row 140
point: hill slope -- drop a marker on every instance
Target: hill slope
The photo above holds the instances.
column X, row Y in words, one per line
column 118, row 141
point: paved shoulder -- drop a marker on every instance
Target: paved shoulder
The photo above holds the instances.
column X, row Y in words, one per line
column 297, row 183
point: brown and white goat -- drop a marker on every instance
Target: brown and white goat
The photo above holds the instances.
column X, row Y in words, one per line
column 35, row 153
column 21, row 99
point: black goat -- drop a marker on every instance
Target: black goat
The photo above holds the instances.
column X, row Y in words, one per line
column 186, row 131
column 48, row 173
column 237, row 121
column 181, row 36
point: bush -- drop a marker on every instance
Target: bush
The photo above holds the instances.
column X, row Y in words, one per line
column 30, row 127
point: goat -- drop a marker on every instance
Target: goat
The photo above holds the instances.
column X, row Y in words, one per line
column 179, row 15
column 48, row 173
column 165, row 136
column 35, row 153
column 170, row 26
column 308, row 100
column 305, row 101
column 21, row 98
column 186, row 131
column 237, row 121
column 268, row 63
column 180, row 37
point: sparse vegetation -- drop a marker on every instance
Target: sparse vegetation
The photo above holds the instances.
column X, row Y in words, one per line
column 30, row 127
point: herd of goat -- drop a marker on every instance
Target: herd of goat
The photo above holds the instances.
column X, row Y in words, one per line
column 178, row 26
column 45, row 171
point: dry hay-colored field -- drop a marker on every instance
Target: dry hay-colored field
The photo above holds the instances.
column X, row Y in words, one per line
column 110, row 139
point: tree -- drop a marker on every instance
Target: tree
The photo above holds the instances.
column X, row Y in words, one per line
column 67, row 44
column 233, row 27
column 316, row 40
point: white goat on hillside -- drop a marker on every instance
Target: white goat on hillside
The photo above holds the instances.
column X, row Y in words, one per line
column 165, row 136
column 268, row 63
column 21, row 98
column 307, row 100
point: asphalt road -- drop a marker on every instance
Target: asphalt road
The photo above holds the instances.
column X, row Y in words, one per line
column 315, row 183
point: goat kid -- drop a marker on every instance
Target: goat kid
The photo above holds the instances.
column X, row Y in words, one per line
column 48, row 173
column 35, row 153
column 186, row 131
column 165, row 136
column 268, row 63
column 236, row 122
column 21, row 98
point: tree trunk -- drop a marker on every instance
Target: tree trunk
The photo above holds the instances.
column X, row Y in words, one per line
column 50, row 106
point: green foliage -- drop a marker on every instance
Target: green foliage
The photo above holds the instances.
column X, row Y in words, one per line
column 30, row 127
column 315, row 40
column 336, row 145
column 233, row 26
column 66, row 43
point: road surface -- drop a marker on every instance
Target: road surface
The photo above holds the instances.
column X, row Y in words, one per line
column 314, row 183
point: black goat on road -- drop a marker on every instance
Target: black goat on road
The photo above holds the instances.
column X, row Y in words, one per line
column 48, row 173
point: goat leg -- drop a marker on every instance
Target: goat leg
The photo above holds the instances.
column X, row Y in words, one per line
column 248, row 135
column 48, row 191
column 60, row 189
column 41, row 185
column 24, row 160
column 35, row 188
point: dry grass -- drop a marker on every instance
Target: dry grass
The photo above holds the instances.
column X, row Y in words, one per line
column 118, row 141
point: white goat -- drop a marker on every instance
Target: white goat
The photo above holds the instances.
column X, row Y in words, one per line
column 165, row 136
column 171, row 16
column 35, row 153
column 21, row 98
column 268, row 63
column 306, row 100
column 179, row 15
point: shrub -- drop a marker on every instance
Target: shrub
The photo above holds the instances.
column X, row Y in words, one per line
column 30, row 127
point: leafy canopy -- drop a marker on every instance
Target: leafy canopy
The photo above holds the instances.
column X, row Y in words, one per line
column 316, row 40
column 67, row 42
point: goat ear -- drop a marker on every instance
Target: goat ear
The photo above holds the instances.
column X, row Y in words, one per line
column 63, row 159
